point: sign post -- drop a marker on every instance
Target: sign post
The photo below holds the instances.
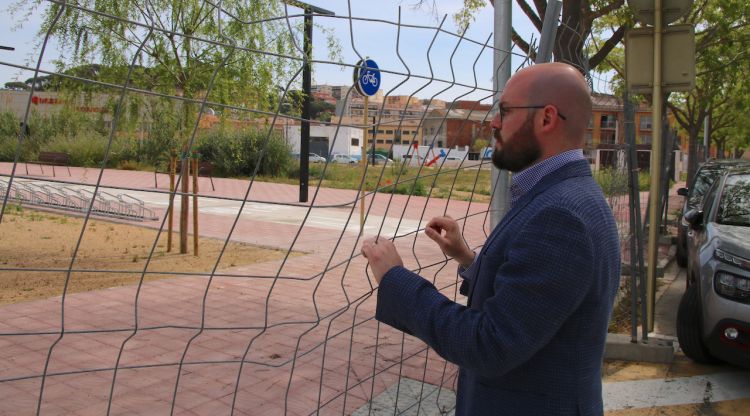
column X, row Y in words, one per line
column 366, row 82
column 680, row 77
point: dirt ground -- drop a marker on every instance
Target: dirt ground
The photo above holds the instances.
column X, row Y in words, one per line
column 36, row 241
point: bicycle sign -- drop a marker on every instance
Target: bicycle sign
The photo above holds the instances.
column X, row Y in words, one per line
column 367, row 77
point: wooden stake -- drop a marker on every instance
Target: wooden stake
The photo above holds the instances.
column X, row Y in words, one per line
column 195, row 206
column 170, row 209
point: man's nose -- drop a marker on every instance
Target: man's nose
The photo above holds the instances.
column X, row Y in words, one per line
column 496, row 123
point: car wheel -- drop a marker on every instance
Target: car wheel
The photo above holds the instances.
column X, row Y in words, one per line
column 689, row 326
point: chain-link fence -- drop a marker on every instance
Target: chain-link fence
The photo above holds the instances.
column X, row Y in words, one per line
column 275, row 314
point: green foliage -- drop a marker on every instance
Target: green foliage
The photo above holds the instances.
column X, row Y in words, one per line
column 616, row 182
column 43, row 131
column 480, row 144
column 88, row 148
column 239, row 153
column 161, row 138
column 9, row 130
column 406, row 187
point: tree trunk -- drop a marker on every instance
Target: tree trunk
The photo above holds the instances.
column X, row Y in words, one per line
column 692, row 152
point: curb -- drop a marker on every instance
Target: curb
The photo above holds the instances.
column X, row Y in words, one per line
column 653, row 350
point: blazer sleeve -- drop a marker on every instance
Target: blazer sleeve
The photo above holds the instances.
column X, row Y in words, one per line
column 548, row 272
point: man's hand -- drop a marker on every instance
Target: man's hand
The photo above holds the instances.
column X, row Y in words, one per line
column 452, row 242
column 382, row 255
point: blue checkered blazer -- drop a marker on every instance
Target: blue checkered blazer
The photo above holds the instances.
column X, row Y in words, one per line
column 531, row 340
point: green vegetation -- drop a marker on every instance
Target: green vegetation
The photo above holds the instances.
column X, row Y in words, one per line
column 86, row 139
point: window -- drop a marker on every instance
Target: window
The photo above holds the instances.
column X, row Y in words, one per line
column 644, row 139
column 608, row 137
column 380, row 131
column 608, row 121
column 646, row 122
column 380, row 141
column 591, row 122
column 389, row 132
column 355, row 142
column 589, row 137
column 440, row 143
column 388, row 141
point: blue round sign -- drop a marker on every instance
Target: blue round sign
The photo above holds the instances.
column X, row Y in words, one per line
column 367, row 77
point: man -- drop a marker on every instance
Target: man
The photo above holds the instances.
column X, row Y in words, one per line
column 540, row 292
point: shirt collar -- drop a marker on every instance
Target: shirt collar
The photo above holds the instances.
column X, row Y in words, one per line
column 524, row 180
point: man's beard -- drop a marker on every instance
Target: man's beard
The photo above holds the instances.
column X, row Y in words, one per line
column 519, row 151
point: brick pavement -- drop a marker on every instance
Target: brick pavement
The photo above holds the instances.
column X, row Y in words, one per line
column 292, row 336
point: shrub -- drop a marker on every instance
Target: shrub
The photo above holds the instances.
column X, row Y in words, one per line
column 239, row 153
column 88, row 147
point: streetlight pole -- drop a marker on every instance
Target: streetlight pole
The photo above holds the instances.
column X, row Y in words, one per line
column 304, row 151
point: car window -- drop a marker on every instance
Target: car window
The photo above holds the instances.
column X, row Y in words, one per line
column 708, row 203
column 703, row 180
column 734, row 207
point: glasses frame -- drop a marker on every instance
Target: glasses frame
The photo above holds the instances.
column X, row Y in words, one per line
column 503, row 110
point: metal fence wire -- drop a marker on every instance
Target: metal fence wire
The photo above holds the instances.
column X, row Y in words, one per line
column 293, row 333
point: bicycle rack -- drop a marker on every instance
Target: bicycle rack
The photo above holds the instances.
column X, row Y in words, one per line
column 78, row 200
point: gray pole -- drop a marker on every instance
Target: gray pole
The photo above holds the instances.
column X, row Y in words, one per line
column 501, row 64
column 549, row 30
column 655, row 171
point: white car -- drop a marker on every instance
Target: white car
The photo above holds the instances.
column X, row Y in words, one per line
column 379, row 159
column 341, row 158
column 314, row 158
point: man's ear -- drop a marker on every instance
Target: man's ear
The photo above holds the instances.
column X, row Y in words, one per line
column 549, row 120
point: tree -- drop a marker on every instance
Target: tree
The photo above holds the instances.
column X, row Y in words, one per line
column 578, row 17
column 721, row 62
column 181, row 48
column 16, row 86
column 722, row 31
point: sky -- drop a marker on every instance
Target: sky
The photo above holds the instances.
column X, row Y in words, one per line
column 450, row 59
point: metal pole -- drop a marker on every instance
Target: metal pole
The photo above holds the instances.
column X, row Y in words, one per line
column 654, row 211
column 304, row 152
column 501, row 65
column 184, row 202
column 363, row 162
column 549, row 30
column 636, row 243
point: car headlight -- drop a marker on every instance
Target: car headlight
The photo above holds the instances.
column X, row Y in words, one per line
column 732, row 286
column 732, row 259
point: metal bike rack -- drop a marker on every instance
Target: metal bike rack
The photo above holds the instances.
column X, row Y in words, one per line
column 79, row 200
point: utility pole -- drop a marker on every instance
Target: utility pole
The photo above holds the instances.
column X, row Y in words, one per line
column 304, row 151
column 501, row 74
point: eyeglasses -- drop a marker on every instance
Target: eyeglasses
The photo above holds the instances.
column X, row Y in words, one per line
column 505, row 110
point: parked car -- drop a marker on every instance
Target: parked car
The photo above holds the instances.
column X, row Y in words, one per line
column 313, row 158
column 702, row 180
column 713, row 319
column 379, row 159
column 342, row 158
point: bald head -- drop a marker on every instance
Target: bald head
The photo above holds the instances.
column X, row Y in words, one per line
column 564, row 87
